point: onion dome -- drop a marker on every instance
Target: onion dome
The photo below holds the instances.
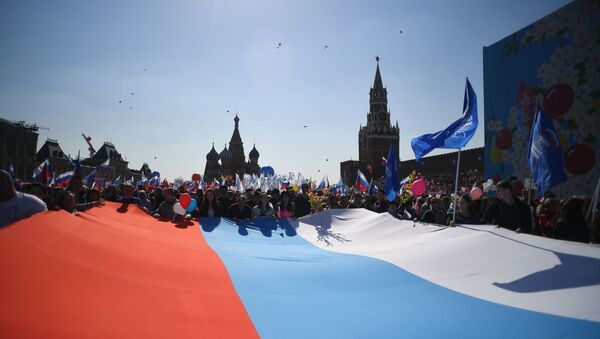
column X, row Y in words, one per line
column 212, row 155
column 225, row 154
column 254, row 153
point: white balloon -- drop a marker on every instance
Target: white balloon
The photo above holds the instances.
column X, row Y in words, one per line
column 178, row 209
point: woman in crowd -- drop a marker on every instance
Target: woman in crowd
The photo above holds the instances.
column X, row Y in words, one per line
column 285, row 209
column 466, row 214
column 263, row 208
column 548, row 213
column 571, row 224
column 210, row 206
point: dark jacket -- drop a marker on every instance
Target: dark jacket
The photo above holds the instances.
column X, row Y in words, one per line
column 512, row 217
column 236, row 213
column 301, row 206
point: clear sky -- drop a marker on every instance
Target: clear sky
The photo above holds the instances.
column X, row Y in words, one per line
column 66, row 64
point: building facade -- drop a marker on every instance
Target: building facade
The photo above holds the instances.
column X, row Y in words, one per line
column 18, row 144
column 52, row 152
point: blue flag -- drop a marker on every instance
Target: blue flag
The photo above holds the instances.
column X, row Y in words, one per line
column 455, row 136
column 392, row 179
column 545, row 156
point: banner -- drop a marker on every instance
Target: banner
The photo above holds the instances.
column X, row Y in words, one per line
column 115, row 271
column 553, row 61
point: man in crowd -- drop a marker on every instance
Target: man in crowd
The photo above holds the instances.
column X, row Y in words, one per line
column 435, row 214
column 128, row 197
column 240, row 210
column 165, row 210
column 224, row 201
column 357, row 201
column 381, row 204
column 76, row 187
column 509, row 212
column 301, row 203
column 14, row 205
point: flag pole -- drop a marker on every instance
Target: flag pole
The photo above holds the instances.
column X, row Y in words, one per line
column 456, row 188
column 594, row 202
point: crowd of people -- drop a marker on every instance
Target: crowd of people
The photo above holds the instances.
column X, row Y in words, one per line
column 549, row 217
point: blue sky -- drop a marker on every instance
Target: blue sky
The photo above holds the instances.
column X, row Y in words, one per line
column 66, row 64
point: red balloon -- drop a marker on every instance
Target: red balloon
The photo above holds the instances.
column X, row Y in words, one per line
column 185, row 200
column 418, row 187
column 503, row 139
column 580, row 159
column 518, row 188
column 89, row 138
column 196, row 177
column 558, row 100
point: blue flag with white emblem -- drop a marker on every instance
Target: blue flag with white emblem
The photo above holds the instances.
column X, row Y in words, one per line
column 545, row 156
column 455, row 136
column 392, row 180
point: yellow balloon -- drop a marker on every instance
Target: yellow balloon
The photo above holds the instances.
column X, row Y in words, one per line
column 496, row 155
column 295, row 188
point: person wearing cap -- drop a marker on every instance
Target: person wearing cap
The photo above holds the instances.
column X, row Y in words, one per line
column 264, row 208
column 509, row 211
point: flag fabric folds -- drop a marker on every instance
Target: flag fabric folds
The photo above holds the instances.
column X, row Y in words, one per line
column 43, row 173
column 455, row 136
column 392, row 178
column 324, row 183
column 90, row 178
column 115, row 271
column 361, row 182
column 545, row 157
column 64, row 179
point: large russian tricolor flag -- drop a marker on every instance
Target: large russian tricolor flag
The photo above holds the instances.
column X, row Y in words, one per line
column 114, row 271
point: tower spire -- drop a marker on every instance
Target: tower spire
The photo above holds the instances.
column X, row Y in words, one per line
column 378, row 83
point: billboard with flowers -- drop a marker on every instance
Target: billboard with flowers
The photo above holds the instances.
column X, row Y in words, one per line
column 556, row 62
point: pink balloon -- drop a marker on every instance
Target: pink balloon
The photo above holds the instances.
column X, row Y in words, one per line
column 418, row 187
column 476, row 193
column 185, row 200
